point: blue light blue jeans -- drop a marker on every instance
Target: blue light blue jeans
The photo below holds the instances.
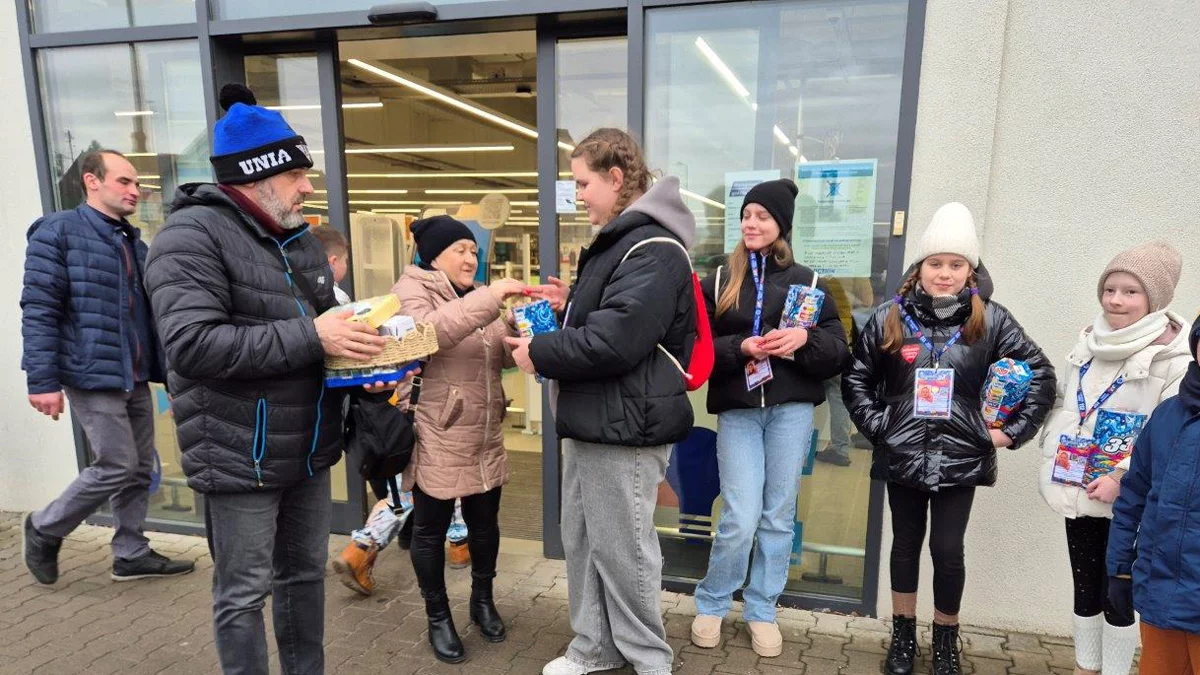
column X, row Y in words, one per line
column 760, row 455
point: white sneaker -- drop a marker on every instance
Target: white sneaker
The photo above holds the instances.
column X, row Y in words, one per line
column 563, row 666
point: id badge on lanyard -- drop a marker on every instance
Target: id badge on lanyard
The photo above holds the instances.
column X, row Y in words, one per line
column 758, row 371
column 933, row 388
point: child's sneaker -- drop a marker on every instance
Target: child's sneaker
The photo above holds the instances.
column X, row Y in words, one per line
column 458, row 556
column 354, row 567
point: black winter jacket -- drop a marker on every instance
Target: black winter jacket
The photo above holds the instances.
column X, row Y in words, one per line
column 800, row 380
column 929, row 454
column 246, row 365
column 615, row 386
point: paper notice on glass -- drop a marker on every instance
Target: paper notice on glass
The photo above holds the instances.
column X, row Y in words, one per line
column 737, row 184
column 564, row 196
column 835, row 216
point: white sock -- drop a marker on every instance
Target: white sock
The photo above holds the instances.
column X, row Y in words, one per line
column 1119, row 644
column 1089, row 631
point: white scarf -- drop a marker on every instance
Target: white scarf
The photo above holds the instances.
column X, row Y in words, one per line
column 1107, row 344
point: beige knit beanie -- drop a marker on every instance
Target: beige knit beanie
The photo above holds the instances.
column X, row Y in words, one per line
column 1157, row 266
column 952, row 230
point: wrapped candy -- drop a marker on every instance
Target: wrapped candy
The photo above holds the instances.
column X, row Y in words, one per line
column 802, row 308
column 1007, row 383
column 1115, row 434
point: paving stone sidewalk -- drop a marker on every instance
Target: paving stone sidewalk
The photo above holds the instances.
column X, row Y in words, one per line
column 88, row 624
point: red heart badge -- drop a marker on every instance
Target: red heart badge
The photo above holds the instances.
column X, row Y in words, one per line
column 910, row 352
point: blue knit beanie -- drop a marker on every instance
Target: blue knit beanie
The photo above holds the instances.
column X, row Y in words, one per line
column 251, row 143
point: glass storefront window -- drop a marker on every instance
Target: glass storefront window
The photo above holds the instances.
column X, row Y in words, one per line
column 592, row 85
column 146, row 101
column 447, row 125
column 241, row 9
column 52, row 16
column 810, row 91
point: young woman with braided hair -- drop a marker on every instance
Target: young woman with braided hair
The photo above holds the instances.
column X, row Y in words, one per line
column 913, row 389
column 619, row 399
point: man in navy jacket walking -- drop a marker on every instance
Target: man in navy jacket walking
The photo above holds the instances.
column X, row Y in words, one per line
column 88, row 333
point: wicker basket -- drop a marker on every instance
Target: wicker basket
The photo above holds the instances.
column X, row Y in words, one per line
column 416, row 344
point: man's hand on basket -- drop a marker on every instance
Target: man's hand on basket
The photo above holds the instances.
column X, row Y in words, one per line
column 380, row 386
column 342, row 337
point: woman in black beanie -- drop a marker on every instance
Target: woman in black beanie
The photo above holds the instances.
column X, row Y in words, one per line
column 460, row 440
column 764, row 426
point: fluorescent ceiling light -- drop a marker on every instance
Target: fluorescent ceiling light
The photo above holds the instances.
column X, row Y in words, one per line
column 503, row 191
column 317, row 106
column 447, row 98
column 794, row 150
column 393, row 210
column 448, row 174
column 367, row 192
column 701, row 198
column 140, row 154
column 148, row 186
column 149, row 176
column 430, row 149
column 723, row 70
column 387, row 202
column 133, row 113
column 780, row 135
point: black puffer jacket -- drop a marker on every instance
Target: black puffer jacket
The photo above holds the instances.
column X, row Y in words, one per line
column 800, row 380
column 246, row 365
column 614, row 385
column 932, row 454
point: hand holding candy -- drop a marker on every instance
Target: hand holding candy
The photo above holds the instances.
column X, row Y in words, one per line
column 783, row 341
column 557, row 292
column 999, row 438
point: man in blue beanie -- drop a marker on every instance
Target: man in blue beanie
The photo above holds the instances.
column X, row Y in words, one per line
column 238, row 286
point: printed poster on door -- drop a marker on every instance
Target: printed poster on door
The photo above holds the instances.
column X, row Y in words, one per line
column 834, row 224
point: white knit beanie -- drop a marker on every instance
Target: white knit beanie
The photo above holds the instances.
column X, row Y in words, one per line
column 952, row 230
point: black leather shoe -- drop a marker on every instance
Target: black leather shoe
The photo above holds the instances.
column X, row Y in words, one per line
column 903, row 649
column 447, row 647
column 946, row 650
column 149, row 566
column 484, row 613
column 41, row 553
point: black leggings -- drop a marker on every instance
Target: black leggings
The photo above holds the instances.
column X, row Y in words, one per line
column 951, row 509
column 431, row 517
column 1087, row 544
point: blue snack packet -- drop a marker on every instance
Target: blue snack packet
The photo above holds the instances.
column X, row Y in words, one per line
column 535, row 318
column 1115, row 434
column 1007, row 383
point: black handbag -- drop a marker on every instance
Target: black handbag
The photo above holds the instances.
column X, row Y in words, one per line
column 379, row 436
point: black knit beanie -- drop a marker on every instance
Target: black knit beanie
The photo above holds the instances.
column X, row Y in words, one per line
column 436, row 234
column 778, row 197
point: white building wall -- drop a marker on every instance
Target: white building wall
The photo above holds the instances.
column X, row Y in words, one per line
column 37, row 456
column 1072, row 134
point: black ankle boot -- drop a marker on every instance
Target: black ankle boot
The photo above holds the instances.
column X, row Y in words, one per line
column 903, row 649
column 946, row 650
column 442, row 636
column 483, row 611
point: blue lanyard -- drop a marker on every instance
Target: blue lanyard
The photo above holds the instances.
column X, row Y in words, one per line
column 1086, row 412
column 759, row 281
column 912, row 326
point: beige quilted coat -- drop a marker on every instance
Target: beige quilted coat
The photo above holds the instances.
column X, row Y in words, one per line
column 460, row 440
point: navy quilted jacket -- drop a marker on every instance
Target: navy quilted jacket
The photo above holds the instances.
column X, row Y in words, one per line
column 75, row 317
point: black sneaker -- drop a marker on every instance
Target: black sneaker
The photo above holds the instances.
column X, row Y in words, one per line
column 41, row 552
column 149, row 566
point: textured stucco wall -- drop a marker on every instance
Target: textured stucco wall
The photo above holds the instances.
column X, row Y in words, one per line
column 37, row 456
column 1071, row 135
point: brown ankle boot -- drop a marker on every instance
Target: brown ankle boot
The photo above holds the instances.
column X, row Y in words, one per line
column 458, row 556
column 354, row 567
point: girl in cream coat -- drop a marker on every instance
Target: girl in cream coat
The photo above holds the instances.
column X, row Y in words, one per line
column 1129, row 360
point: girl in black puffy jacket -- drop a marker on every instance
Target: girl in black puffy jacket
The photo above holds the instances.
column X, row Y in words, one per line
column 931, row 443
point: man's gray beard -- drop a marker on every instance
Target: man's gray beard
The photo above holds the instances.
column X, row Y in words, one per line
column 270, row 202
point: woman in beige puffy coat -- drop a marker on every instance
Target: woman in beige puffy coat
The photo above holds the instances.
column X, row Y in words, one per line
column 460, row 441
column 1129, row 360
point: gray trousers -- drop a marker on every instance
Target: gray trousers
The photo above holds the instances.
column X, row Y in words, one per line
column 614, row 564
column 120, row 431
column 274, row 542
